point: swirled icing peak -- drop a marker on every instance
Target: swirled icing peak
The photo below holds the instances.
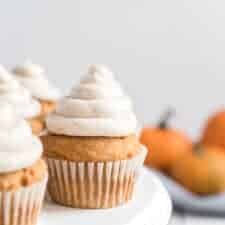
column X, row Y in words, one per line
column 6, row 80
column 32, row 77
column 12, row 92
column 97, row 106
column 19, row 148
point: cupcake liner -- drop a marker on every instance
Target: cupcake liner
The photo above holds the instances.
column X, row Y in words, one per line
column 93, row 184
column 22, row 206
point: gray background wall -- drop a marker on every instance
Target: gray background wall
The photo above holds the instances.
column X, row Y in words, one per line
column 164, row 52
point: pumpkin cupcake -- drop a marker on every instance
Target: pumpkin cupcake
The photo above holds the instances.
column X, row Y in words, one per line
column 23, row 174
column 91, row 148
column 32, row 77
column 24, row 105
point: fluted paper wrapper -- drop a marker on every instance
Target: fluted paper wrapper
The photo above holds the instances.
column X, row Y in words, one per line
column 22, row 206
column 93, row 184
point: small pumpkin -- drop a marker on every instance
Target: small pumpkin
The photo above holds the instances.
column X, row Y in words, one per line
column 201, row 171
column 165, row 144
column 214, row 131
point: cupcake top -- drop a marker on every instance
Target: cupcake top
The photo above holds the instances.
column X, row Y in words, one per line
column 97, row 106
column 32, row 77
column 20, row 98
column 19, row 148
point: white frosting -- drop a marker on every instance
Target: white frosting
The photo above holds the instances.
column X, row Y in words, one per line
column 19, row 148
column 15, row 94
column 32, row 77
column 96, row 107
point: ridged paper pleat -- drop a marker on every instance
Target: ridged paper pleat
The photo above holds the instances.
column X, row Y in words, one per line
column 93, row 184
column 22, row 206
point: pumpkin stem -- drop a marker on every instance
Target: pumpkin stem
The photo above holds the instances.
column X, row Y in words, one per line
column 163, row 122
column 198, row 148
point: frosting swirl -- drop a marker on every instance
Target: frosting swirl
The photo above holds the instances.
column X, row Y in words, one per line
column 19, row 148
column 32, row 77
column 96, row 107
column 20, row 98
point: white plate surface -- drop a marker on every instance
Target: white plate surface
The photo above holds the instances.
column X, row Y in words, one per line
column 187, row 201
column 151, row 206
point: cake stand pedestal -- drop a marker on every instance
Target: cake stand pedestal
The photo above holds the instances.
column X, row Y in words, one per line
column 150, row 206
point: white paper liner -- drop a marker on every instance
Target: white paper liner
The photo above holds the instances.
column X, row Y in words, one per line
column 22, row 207
column 93, row 184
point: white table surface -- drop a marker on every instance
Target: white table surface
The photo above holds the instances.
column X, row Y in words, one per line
column 188, row 219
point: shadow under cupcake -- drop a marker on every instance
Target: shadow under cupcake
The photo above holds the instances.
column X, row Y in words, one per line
column 92, row 151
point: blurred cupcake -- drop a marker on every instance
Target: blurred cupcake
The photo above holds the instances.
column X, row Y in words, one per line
column 91, row 148
column 32, row 77
column 21, row 100
column 23, row 174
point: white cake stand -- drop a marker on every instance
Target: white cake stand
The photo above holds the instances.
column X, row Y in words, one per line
column 151, row 206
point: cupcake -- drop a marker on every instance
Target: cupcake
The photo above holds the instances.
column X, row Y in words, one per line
column 23, row 174
column 21, row 100
column 32, row 77
column 92, row 151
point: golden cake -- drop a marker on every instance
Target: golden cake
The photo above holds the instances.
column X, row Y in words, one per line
column 92, row 149
column 12, row 181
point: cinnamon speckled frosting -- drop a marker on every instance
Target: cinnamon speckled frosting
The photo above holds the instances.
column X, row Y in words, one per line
column 17, row 96
column 19, row 148
column 32, row 77
column 97, row 106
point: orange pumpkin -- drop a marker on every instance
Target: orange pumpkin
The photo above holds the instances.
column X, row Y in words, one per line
column 214, row 132
column 201, row 171
column 165, row 145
